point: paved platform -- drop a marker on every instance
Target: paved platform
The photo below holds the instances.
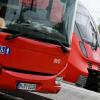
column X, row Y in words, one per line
column 71, row 92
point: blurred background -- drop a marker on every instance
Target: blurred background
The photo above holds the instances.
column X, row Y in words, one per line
column 94, row 7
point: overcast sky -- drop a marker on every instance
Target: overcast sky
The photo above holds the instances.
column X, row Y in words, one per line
column 94, row 7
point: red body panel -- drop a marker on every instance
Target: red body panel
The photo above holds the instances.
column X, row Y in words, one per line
column 9, row 80
column 32, row 55
column 35, row 56
column 78, row 63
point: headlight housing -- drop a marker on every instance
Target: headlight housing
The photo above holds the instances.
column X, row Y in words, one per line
column 83, row 49
column 59, row 80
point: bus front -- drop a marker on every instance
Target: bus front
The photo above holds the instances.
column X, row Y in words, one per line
column 35, row 43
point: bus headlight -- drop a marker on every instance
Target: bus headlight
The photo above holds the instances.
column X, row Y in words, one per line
column 59, row 80
column 83, row 49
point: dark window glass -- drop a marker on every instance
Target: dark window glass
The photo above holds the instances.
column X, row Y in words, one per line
column 45, row 16
column 85, row 25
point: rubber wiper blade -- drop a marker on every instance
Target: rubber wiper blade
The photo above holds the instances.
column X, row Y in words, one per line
column 63, row 47
column 9, row 31
column 13, row 36
column 16, row 29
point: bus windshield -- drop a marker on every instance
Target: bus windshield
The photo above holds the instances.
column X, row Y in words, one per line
column 41, row 14
column 50, row 19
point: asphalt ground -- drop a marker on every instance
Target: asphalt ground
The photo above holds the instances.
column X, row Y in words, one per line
column 20, row 95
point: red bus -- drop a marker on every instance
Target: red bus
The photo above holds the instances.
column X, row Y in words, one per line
column 45, row 42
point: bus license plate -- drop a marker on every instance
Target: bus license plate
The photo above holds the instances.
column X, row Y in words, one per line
column 26, row 86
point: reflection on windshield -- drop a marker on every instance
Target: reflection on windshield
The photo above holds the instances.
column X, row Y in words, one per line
column 48, row 13
column 42, row 11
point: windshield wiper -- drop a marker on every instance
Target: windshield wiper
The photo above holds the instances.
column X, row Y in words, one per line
column 64, row 48
column 14, row 36
column 34, row 27
column 11, row 28
column 46, row 31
